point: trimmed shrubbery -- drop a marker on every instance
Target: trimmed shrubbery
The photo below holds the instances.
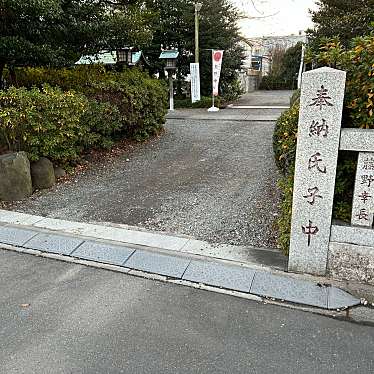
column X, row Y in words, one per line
column 358, row 112
column 275, row 82
column 43, row 122
column 205, row 102
column 60, row 113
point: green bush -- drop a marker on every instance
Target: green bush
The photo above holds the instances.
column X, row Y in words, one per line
column 295, row 98
column 285, row 184
column 138, row 101
column 275, row 82
column 104, row 122
column 284, row 145
column 231, row 91
column 205, row 102
column 285, row 137
column 43, row 122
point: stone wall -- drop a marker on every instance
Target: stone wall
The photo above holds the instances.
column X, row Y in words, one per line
column 351, row 262
column 249, row 83
column 351, row 254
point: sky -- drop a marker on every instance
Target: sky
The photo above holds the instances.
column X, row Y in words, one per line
column 286, row 16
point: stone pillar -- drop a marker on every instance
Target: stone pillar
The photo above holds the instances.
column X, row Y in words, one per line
column 363, row 197
column 321, row 104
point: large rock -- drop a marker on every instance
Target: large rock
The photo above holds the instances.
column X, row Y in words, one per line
column 15, row 178
column 42, row 173
column 59, row 172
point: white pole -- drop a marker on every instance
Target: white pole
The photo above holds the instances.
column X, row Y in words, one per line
column 171, row 89
column 301, row 68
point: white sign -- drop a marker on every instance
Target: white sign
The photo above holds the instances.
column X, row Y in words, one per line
column 217, row 64
column 195, row 82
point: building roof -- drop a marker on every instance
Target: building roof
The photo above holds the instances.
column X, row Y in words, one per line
column 173, row 53
column 105, row 58
column 137, row 57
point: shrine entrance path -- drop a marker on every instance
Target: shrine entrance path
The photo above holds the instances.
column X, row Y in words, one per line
column 213, row 179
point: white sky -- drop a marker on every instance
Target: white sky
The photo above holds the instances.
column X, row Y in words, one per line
column 290, row 16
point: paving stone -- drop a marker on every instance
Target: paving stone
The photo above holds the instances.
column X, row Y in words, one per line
column 136, row 237
column 289, row 289
column 338, row 299
column 13, row 236
column 220, row 275
column 16, row 218
column 102, row 252
column 63, row 245
column 158, row 263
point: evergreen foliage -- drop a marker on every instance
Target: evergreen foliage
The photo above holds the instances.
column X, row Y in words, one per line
column 58, row 32
column 174, row 26
column 344, row 19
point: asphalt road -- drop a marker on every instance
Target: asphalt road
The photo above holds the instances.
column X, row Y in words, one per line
column 66, row 318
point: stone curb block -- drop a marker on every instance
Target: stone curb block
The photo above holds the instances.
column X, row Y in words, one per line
column 176, row 266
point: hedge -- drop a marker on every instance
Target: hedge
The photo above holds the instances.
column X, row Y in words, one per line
column 274, row 82
column 44, row 122
column 205, row 102
column 140, row 100
column 358, row 112
column 60, row 113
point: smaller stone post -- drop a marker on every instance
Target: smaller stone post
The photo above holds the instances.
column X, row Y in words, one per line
column 363, row 197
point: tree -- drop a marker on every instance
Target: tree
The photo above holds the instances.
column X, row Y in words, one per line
column 291, row 62
column 344, row 19
column 57, row 32
column 174, row 27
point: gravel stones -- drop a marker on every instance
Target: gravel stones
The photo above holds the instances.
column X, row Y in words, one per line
column 213, row 180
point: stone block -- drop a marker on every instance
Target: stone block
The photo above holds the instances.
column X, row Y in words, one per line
column 351, row 262
column 220, row 275
column 59, row 172
column 157, row 263
column 15, row 177
column 63, row 245
column 339, row 299
column 42, row 173
column 359, row 140
column 102, row 252
column 352, row 235
column 289, row 289
column 14, row 236
column 16, row 218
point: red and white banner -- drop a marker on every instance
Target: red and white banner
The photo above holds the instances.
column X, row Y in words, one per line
column 217, row 64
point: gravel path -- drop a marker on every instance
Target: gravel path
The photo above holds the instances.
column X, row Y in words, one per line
column 213, row 180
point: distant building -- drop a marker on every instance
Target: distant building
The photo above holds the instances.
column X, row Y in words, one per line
column 259, row 50
column 111, row 58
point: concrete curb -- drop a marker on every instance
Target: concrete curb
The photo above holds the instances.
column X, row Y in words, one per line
column 231, row 119
column 159, row 255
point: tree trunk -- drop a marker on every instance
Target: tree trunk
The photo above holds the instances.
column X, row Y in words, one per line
column 2, row 66
column 12, row 76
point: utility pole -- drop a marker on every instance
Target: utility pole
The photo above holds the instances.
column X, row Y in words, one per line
column 197, row 10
